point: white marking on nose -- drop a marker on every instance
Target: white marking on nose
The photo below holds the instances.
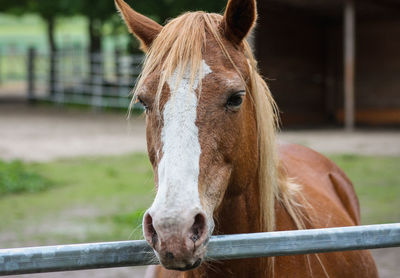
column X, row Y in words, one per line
column 178, row 170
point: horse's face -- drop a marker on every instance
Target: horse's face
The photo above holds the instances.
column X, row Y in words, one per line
column 196, row 142
column 194, row 145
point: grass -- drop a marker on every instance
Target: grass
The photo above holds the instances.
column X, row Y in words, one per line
column 377, row 183
column 15, row 178
column 104, row 198
column 93, row 199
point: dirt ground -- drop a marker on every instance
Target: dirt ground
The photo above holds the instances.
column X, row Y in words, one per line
column 45, row 133
column 41, row 133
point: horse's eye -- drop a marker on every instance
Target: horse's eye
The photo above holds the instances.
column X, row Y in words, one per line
column 146, row 108
column 234, row 101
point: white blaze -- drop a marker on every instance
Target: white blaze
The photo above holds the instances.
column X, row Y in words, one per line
column 178, row 170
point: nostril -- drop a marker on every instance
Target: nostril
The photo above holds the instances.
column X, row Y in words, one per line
column 199, row 227
column 169, row 255
column 149, row 231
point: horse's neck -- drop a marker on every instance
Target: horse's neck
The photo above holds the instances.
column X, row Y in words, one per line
column 239, row 213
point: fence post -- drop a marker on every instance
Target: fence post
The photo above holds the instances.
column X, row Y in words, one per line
column 52, row 73
column 349, row 29
column 118, row 74
column 97, row 80
column 118, row 70
column 1, row 67
column 78, row 69
column 31, row 74
column 57, row 75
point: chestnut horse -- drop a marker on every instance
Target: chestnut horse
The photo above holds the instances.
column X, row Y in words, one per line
column 211, row 125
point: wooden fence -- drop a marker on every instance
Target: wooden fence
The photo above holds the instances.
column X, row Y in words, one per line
column 72, row 76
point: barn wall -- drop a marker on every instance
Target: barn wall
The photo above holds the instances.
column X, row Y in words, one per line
column 377, row 86
column 378, row 64
column 302, row 56
column 291, row 53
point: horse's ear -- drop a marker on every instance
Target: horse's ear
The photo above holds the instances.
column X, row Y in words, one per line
column 239, row 18
column 145, row 29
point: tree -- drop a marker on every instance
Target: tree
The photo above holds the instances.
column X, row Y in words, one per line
column 162, row 10
column 13, row 7
column 97, row 12
column 49, row 11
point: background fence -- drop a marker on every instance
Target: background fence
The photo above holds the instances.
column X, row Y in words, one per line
column 13, row 73
column 134, row 253
column 70, row 76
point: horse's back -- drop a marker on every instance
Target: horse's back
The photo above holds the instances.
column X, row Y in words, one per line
column 321, row 178
column 330, row 202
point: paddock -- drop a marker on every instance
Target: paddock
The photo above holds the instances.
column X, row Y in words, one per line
column 55, row 134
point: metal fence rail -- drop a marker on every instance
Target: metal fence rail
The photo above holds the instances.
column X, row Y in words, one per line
column 135, row 253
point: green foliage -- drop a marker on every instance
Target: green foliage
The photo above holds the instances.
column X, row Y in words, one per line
column 102, row 9
column 13, row 7
column 16, row 178
column 101, row 15
column 51, row 9
column 161, row 10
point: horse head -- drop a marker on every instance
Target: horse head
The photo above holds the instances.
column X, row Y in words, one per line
column 201, row 124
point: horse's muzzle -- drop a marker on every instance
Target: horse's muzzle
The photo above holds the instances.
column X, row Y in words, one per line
column 180, row 242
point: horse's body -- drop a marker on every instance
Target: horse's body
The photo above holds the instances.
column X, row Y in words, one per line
column 334, row 204
column 211, row 140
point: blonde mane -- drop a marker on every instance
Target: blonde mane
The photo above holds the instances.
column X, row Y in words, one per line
column 181, row 43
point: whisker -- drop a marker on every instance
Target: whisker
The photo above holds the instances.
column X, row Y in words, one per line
column 140, row 226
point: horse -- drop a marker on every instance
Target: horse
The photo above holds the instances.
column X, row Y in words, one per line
column 211, row 125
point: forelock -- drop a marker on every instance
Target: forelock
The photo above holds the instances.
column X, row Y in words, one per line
column 180, row 45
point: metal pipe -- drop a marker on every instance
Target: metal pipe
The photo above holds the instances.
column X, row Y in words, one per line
column 135, row 253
